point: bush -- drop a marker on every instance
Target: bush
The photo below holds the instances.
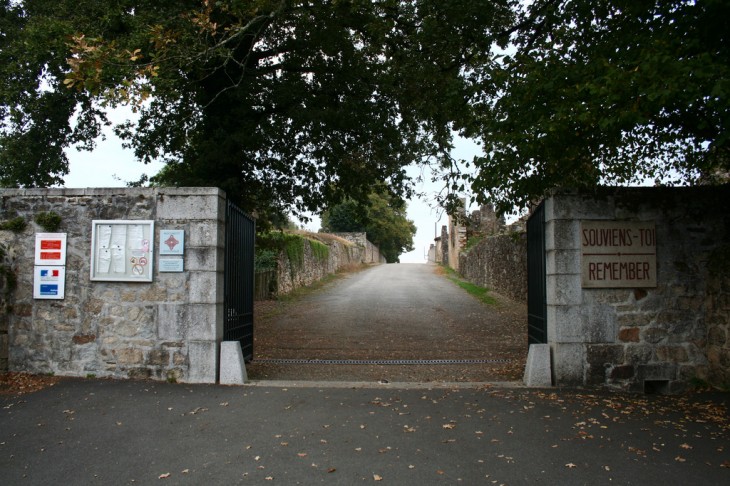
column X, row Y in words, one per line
column 48, row 221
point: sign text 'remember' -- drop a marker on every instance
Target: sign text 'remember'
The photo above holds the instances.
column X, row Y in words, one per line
column 618, row 254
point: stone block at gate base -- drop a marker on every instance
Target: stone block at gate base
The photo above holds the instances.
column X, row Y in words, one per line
column 233, row 369
column 538, row 371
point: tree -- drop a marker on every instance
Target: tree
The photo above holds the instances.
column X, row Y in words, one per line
column 291, row 104
column 605, row 91
column 383, row 218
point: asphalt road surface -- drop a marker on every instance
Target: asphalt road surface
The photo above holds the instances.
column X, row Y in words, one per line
column 392, row 313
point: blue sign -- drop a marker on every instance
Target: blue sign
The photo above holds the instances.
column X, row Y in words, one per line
column 49, row 289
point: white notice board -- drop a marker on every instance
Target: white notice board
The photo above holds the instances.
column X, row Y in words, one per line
column 122, row 250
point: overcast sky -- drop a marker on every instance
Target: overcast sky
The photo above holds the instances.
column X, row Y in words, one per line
column 110, row 165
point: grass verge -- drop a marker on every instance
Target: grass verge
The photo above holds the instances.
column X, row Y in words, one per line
column 479, row 292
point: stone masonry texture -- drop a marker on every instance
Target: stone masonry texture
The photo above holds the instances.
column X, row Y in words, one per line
column 667, row 336
column 499, row 263
column 117, row 329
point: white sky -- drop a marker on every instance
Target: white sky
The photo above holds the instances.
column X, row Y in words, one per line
column 111, row 165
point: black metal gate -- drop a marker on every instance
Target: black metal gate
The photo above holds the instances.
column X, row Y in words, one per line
column 239, row 279
column 536, row 287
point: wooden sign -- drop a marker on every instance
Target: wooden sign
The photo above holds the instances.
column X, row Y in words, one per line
column 618, row 254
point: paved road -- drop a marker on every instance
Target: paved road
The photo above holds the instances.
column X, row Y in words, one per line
column 105, row 432
column 394, row 312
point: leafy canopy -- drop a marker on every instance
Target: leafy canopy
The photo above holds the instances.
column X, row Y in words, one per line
column 296, row 104
column 383, row 218
column 286, row 103
column 605, row 91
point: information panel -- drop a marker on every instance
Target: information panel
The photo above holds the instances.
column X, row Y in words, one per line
column 618, row 254
column 122, row 250
column 50, row 248
column 49, row 282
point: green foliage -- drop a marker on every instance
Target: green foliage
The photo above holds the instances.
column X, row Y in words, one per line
column 278, row 241
column 345, row 217
column 284, row 105
column 265, row 259
column 16, row 225
column 48, row 221
column 610, row 92
column 320, row 251
column 383, row 218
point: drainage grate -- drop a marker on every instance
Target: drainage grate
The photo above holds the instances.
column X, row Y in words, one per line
column 286, row 361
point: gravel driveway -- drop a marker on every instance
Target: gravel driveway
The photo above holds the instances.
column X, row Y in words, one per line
column 385, row 315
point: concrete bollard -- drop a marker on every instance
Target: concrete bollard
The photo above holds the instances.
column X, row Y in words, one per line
column 538, row 372
column 233, row 368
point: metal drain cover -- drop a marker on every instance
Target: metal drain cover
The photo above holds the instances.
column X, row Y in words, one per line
column 286, row 361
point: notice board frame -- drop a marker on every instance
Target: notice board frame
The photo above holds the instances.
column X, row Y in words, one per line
column 122, row 250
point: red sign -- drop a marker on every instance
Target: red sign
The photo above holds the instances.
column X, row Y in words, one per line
column 50, row 249
column 50, row 244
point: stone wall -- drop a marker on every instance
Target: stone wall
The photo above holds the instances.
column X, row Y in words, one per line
column 457, row 238
column 169, row 328
column 498, row 263
column 659, row 337
column 371, row 252
column 6, row 279
column 314, row 266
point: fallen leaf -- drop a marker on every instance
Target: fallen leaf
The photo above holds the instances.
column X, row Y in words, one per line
column 680, row 459
column 331, row 470
column 685, row 446
column 377, row 477
column 164, row 476
column 269, row 478
column 570, row 465
column 448, row 426
column 302, row 454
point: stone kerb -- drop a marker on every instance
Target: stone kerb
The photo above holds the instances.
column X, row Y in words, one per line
column 167, row 329
column 644, row 338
